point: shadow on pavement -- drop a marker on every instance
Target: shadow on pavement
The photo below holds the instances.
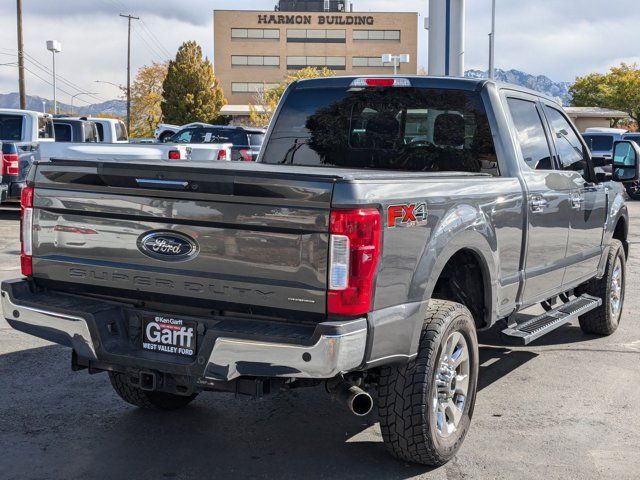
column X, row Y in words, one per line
column 10, row 212
column 72, row 425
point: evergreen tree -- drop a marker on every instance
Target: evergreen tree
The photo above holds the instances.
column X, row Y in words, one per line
column 191, row 92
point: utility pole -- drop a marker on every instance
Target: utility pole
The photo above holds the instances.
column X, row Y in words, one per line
column 21, row 86
column 129, row 18
column 492, row 42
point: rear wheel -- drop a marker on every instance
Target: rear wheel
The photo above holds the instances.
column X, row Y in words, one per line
column 425, row 406
column 605, row 319
column 633, row 190
column 144, row 399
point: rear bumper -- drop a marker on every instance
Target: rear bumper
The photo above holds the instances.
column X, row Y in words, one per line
column 103, row 334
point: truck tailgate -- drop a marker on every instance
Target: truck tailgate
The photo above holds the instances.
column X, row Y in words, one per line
column 255, row 238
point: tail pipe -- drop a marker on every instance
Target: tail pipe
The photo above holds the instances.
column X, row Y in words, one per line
column 358, row 401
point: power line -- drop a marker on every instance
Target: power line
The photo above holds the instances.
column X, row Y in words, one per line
column 51, row 84
column 157, row 40
column 154, row 52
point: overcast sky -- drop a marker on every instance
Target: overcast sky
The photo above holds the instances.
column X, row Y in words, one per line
column 557, row 38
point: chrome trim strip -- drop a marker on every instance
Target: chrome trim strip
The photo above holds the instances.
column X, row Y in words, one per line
column 75, row 328
column 330, row 356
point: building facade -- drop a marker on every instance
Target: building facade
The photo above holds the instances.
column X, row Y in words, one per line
column 254, row 50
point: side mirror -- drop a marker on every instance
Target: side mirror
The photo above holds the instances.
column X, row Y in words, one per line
column 625, row 161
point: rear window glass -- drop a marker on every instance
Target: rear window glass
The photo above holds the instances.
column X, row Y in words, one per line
column 63, row 132
column 599, row 143
column 220, row 135
column 11, row 127
column 45, row 127
column 414, row 129
column 256, row 139
column 633, row 138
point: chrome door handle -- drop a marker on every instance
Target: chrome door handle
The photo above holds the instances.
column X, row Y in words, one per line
column 538, row 204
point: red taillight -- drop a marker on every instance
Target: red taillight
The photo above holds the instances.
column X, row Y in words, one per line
column 246, row 155
column 354, row 252
column 222, row 155
column 26, row 231
column 380, row 82
column 174, row 155
column 10, row 164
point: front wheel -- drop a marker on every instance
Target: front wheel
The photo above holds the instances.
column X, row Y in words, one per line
column 426, row 405
column 633, row 190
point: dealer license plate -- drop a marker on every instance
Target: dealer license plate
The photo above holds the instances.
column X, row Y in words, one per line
column 169, row 335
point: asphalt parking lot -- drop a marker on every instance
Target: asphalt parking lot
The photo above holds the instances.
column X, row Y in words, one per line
column 566, row 407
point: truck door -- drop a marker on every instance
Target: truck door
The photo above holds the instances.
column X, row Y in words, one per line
column 548, row 193
column 588, row 199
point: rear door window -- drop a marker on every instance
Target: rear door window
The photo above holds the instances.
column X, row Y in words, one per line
column 531, row 135
column 11, row 127
column 184, row 136
column 63, row 132
column 100, row 130
column 121, row 132
column 90, row 132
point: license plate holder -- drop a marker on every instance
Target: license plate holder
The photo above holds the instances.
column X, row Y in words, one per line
column 166, row 334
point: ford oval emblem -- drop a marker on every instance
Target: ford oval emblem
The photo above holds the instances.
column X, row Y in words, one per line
column 168, row 246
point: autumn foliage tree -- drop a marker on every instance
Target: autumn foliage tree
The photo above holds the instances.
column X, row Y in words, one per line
column 191, row 92
column 618, row 89
column 266, row 101
column 146, row 98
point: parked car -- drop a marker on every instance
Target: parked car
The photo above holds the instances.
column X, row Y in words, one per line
column 600, row 141
column 386, row 221
column 21, row 133
column 110, row 130
column 245, row 142
column 164, row 131
column 75, row 130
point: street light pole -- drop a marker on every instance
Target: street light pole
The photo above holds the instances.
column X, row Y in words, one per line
column 54, row 47
column 396, row 60
column 21, row 86
column 492, row 41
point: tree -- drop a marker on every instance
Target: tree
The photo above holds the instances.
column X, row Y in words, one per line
column 191, row 92
column 266, row 101
column 146, row 98
column 618, row 89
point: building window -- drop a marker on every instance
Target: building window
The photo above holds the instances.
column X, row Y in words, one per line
column 256, row 33
column 333, row 63
column 376, row 35
column 254, row 61
column 243, row 87
column 370, row 62
column 296, row 35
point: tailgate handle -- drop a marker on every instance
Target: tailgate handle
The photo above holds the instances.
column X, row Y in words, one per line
column 154, row 183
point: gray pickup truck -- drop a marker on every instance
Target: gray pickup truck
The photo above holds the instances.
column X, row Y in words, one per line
column 386, row 221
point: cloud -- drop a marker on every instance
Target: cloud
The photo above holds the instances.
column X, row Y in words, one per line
column 557, row 38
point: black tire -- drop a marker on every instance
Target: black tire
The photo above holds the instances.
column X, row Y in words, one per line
column 604, row 320
column 149, row 400
column 633, row 190
column 406, row 392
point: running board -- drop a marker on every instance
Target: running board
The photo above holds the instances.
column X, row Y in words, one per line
column 533, row 328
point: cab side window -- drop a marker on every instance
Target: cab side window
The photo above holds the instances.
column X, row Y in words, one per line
column 531, row 135
column 568, row 146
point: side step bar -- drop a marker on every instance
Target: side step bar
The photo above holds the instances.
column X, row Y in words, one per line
column 529, row 330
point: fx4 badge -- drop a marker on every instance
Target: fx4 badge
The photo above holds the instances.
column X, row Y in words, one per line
column 407, row 215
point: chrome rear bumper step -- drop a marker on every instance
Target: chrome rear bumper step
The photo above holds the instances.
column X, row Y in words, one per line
column 531, row 329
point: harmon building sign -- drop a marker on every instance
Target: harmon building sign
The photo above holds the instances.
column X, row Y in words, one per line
column 322, row 19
